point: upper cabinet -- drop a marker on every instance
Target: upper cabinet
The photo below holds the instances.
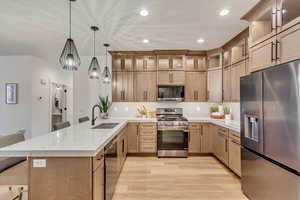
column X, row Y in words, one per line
column 171, row 78
column 122, row 63
column 171, row 62
column 145, row 83
column 145, row 63
column 215, row 60
column 195, row 63
column 274, row 33
column 262, row 20
column 195, row 86
column 288, row 12
column 122, row 87
column 214, row 85
column 238, row 51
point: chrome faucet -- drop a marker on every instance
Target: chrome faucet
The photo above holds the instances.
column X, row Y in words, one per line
column 93, row 114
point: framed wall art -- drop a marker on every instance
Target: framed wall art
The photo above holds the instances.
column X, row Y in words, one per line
column 11, row 93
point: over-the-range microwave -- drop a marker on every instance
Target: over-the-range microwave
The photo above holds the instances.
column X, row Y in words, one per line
column 170, row 93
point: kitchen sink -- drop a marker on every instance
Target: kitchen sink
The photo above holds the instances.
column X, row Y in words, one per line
column 106, row 126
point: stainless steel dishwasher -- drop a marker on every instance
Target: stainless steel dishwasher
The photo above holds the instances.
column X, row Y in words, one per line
column 111, row 169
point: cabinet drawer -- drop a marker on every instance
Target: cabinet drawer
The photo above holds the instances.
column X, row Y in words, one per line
column 148, row 148
column 223, row 131
column 148, row 139
column 148, row 126
column 194, row 126
column 235, row 136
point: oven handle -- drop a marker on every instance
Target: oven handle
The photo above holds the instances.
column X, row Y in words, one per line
column 170, row 129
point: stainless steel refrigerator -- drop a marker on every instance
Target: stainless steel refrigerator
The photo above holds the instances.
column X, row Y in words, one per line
column 270, row 133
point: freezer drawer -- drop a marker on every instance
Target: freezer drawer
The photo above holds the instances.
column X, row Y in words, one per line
column 263, row 180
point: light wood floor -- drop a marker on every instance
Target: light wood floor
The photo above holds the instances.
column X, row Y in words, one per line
column 201, row 178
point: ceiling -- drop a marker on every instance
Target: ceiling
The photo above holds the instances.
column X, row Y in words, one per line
column 40, row 27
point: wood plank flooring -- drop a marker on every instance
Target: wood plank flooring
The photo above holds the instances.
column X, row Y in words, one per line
column 201, row 178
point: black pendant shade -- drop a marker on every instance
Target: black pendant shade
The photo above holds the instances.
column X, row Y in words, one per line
column 106, row 75
column 69, row 58
column 94, row 68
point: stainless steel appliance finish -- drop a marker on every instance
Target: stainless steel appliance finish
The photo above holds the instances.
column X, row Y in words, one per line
column 172, row 133
column 111, row 170
column 251, row 112
column 270, row 133
column 170, row 93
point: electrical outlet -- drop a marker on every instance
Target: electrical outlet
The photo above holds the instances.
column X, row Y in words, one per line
column 39, row 163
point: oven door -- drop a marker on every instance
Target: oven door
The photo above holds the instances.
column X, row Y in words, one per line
column 172, row 139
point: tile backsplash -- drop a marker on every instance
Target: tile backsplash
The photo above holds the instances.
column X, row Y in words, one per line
column 129, row 109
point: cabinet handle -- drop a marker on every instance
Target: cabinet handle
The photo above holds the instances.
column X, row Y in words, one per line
column 226, row 148
column 277, row 50
column 170, row 63
column 122, row 64
column 279, row 18
column 274, row 20
column 145, row 64
column 236, row 142
column 272, row 52
column 195, row 63
column 123, row 146
column 195, row 95
column 145, row 95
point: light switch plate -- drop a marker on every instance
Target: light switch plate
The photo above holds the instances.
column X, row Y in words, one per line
column 39, row 163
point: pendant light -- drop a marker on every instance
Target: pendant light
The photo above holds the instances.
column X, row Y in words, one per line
column 94, row 69
column 106, row 76
column 69, row 58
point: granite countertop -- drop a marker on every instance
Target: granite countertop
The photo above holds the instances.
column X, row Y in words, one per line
column 80, row 140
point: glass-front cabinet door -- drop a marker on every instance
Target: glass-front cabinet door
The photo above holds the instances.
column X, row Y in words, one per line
column 263, row 21
column 287, row 11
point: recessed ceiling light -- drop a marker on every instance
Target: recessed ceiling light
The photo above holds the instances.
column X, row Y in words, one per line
column 224, row 12
column 145, row 41
column 200, row 40
column 144, row 13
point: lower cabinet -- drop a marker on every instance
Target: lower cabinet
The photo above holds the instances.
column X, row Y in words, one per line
column 98, row 177
column 194, row 141
column 207, row 139
column 122, row 148
column 147, row 138
column 133, row 137
column 234, row 152
column 221, row 145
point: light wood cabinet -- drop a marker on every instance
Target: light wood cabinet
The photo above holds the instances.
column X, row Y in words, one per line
column 227, row 83
column 234, row 149
column 145, row 63
column 238, row 52
column 214, row 85
column 122, row 147
column 221, row 145
column 194, row 138
column 207, row 139
column 237, row 71
column 171, row 78
column 263, row 55
column 145, row 83
column 195, row 63
column 226, row 58
column 195, row 86
column 147, row 138
column 177, row 62
column 133, row 137
column 287, row 14
column 288, row 44
column 122, row 87
column 98, row 180
column 122, row 63
column 164, row 62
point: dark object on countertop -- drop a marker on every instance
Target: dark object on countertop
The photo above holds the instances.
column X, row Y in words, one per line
column 61, row 125
column 83, row 119
column 106, row 126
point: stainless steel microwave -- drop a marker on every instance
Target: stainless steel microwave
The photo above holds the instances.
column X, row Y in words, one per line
column 170, row 93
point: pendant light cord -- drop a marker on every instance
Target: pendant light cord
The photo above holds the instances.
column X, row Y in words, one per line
column 70, row 19
column 106, row 57
column 94, row 43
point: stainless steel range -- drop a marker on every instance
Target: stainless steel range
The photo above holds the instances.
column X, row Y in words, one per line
column 172, row 133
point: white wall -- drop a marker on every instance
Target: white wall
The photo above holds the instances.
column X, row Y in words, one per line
column 87, row 91
column 30, row 113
